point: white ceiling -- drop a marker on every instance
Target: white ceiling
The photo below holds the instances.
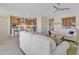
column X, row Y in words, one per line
column 32, row 9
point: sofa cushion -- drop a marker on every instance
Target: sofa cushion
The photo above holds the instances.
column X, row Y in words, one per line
column 36, row 44
column 41, row 44
column 61, row 49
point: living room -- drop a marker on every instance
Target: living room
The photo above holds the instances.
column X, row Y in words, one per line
column 53, row 21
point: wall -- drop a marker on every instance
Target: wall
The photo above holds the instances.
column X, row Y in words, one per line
column 45, row 24
column 38, row 10
column 68, row 13
column 5, row 21
column 4, row 25
column 42, row 24
column 58, row 18
column 39, row 24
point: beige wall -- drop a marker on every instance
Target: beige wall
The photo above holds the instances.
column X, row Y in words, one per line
column 58, row 18
column 4, row 25
column 45, row 24
column 42, row 24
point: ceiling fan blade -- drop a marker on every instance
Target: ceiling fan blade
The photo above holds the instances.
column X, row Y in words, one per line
column 55, row 7
column 55, row 11
column 58, row 3
column 65, row 9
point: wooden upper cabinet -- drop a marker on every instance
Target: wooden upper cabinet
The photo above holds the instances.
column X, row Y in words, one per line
column 64, row 21
column 69, row 21
column 29, row 21
column 14, row 20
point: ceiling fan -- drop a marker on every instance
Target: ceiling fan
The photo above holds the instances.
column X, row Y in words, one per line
column 59, row 9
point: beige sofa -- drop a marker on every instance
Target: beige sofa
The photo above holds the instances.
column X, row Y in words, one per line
column 35, row 44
